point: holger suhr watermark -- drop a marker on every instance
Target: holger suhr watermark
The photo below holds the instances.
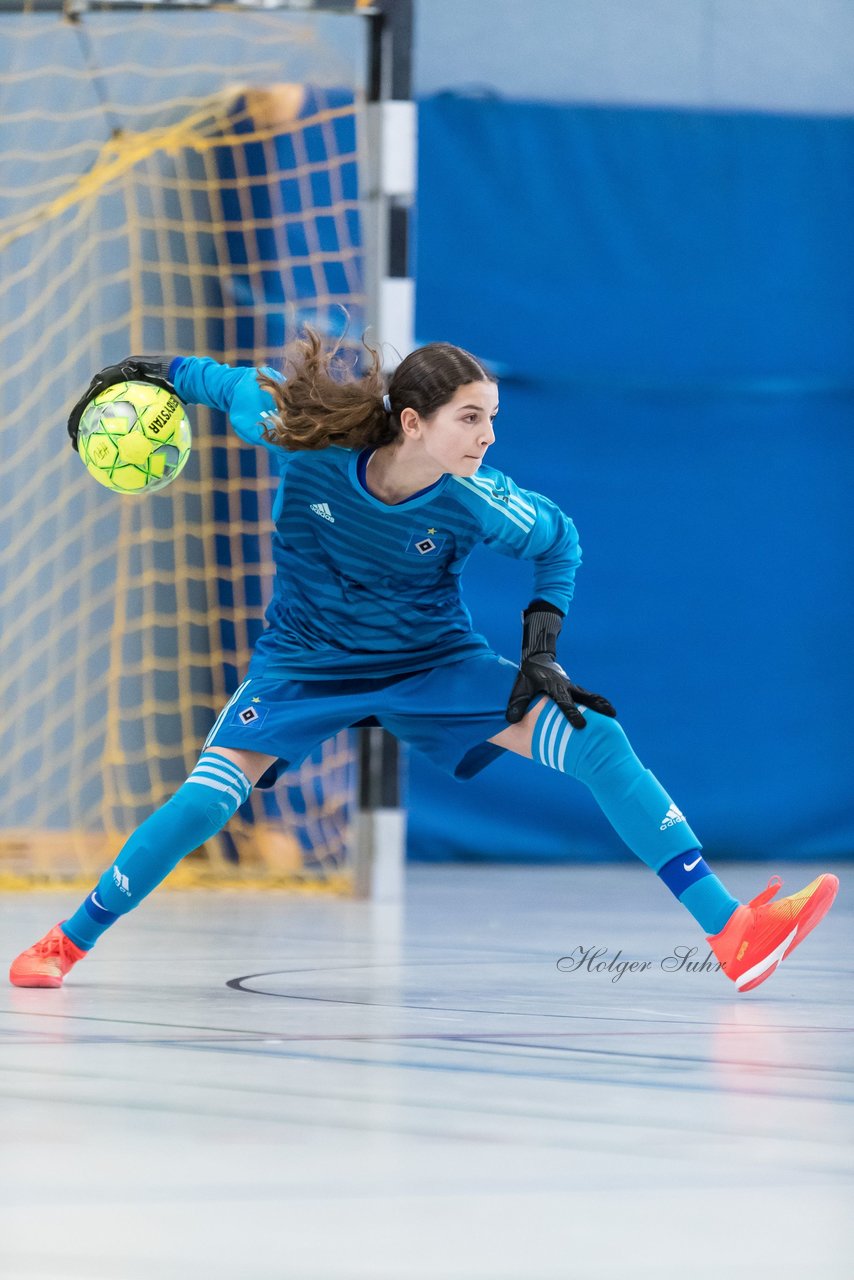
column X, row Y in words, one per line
column 595, row 960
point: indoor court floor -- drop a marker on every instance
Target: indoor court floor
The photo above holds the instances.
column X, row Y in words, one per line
column 295, row 1087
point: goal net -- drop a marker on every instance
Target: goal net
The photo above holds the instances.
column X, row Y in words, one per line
column 177, row 181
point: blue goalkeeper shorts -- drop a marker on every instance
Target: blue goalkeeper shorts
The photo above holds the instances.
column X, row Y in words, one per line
column 448, row 713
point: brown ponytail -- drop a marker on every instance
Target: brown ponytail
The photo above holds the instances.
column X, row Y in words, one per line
column 322, row 402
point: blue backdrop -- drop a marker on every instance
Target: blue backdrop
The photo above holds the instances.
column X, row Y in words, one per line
column 669, row 297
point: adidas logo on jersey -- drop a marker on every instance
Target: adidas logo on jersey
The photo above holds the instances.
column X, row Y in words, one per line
column 672, row 816
column 322, row 509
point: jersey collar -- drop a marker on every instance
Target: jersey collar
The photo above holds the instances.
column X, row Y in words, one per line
column 356, row 468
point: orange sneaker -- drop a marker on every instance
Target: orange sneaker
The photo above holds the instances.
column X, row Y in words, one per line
column 759, row 936
column 47, row 963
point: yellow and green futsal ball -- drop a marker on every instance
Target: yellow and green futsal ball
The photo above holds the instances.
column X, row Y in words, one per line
column 134, row 437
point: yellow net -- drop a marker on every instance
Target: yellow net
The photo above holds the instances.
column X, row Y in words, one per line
column 179, row 182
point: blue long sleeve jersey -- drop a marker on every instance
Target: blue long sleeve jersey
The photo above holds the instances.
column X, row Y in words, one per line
column 364, row 589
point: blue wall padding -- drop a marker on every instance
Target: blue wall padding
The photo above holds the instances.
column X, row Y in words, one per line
column 652, row 248
column 670, row 296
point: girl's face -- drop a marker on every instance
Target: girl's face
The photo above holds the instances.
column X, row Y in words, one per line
column 456, row 437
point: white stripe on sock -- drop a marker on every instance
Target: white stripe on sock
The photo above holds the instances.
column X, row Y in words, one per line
column 204, row 772
column 549, row 715
column 216, row 765
column 553, row 735
column 563, row 743
column 215, row 786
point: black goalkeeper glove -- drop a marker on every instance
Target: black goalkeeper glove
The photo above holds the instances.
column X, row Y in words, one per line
column 541, row 674
column 131, row 369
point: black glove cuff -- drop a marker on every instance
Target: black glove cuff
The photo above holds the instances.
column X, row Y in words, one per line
column 541, row 629
column 543, row 606
column 149, row 369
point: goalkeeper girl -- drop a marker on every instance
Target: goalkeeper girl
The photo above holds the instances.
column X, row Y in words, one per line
column 384, row 492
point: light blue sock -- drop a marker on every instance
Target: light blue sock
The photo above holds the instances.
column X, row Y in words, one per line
column 211, row 795
column 632, row 799
column 696, row 886
column 636, row 805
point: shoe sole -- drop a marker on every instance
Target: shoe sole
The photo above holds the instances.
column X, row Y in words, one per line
column 812, row 914
column 35, row 980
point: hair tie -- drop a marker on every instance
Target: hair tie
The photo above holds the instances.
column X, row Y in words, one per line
column 387, row 404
